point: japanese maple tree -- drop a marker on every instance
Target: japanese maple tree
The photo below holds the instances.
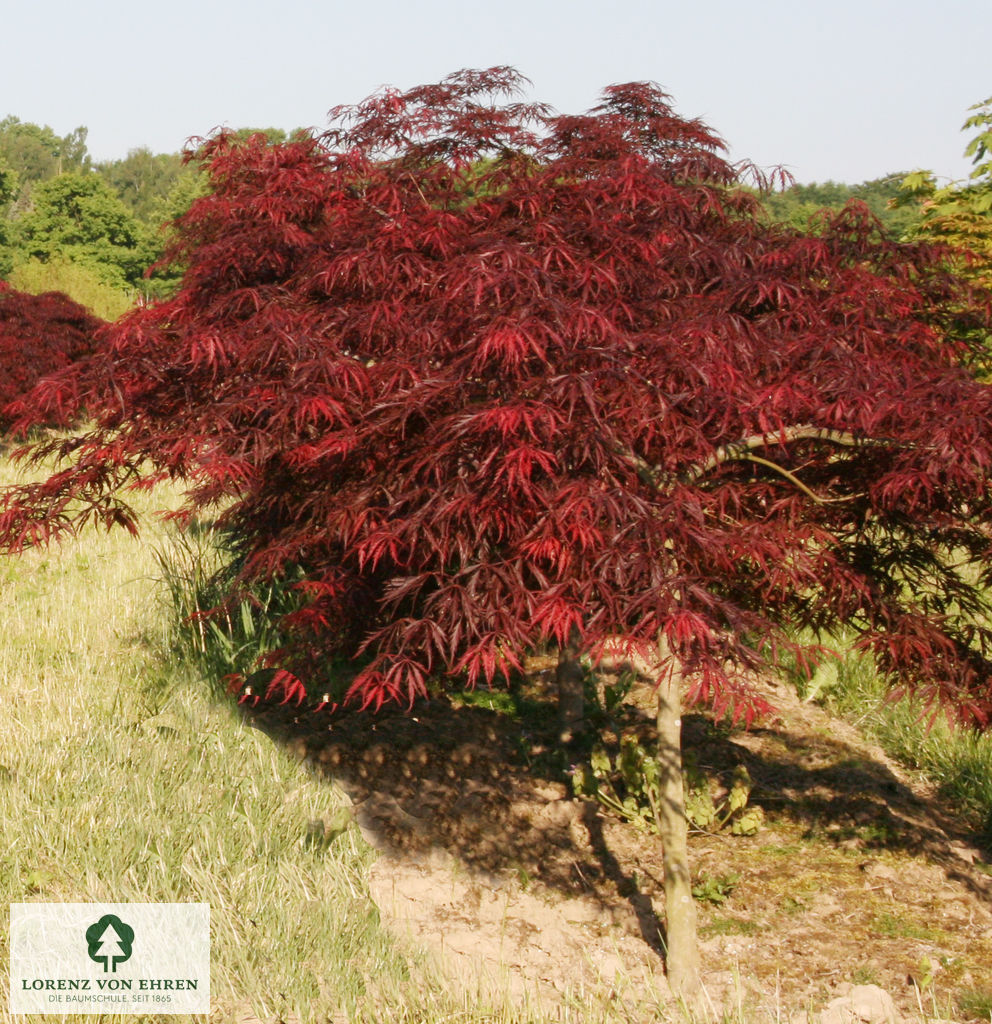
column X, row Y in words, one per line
column 39, row 335
column 483, row 376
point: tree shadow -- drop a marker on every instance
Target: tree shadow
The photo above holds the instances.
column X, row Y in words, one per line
column 839, row 793
column 492, row 790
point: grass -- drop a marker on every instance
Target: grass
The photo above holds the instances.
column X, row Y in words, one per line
column 957, row 760
column 729, row 926
column 894, row 926
column 124, row 782
column 121, row 779
column 975, row 1004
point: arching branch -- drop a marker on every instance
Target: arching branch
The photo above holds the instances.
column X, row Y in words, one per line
column 741, row 449
column 792, row 478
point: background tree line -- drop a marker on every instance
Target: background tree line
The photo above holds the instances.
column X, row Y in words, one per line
column 91, row 229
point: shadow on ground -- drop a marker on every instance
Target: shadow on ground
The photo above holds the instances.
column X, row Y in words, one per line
column 492, row 790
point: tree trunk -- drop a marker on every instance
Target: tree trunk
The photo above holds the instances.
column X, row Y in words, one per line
column 682, row 953
column 569, row 678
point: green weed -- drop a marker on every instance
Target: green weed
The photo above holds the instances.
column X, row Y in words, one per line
column 717, row 890
column 629, row 785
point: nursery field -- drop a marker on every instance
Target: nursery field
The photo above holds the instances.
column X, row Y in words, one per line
column 435, row 867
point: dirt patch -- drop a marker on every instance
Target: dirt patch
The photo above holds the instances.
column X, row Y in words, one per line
column 858, row 876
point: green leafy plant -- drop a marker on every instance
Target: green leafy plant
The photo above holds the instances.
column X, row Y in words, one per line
column 628, row 785
column 712, row 815
column 716, row 890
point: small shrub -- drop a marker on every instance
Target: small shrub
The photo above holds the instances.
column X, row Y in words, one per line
column 39, row 335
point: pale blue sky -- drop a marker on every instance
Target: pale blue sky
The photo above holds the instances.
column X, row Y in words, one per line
column 844, row 90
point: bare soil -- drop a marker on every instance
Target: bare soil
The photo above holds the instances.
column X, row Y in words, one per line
column 859, row 875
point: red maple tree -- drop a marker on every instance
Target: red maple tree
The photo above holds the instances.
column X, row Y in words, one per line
column 490, row 375
column 39, row 335
column 485, row 376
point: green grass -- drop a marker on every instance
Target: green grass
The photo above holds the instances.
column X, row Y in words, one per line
column 729, row 926
column 124, row 782
column 975, row 1004
column 893, row 926
column 957, row 760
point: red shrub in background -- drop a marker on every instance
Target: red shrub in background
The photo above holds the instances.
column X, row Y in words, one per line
column 489, row 376
column 39, row 335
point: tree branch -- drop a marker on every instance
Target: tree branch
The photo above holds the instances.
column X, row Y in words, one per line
column 742, row 449
column 792, row 478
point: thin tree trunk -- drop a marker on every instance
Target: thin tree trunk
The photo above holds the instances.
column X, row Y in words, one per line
column 682, row 954
column 569, row 678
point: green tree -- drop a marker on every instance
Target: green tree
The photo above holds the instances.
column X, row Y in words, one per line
column 8, row 192
column 959, row 216
column 36, row 153
column 143, row 180
column 960, row 213
column 8, row 184
column 801, row 206
column 78, row 217
column 274, row 136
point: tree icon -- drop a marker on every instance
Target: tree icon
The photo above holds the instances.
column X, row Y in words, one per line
column 109, row 941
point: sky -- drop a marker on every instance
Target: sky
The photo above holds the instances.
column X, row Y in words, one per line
column 844, row 91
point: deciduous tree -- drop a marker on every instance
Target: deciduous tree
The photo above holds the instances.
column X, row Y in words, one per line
column 78, row 217
column 960, row 213
column 143, row 180
column 37, row 153
column 480, row 376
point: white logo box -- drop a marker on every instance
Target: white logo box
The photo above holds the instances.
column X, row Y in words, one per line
column 109, row 958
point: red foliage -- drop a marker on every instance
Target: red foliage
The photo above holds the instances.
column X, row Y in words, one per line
column 487, row 375
column 39, row 335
